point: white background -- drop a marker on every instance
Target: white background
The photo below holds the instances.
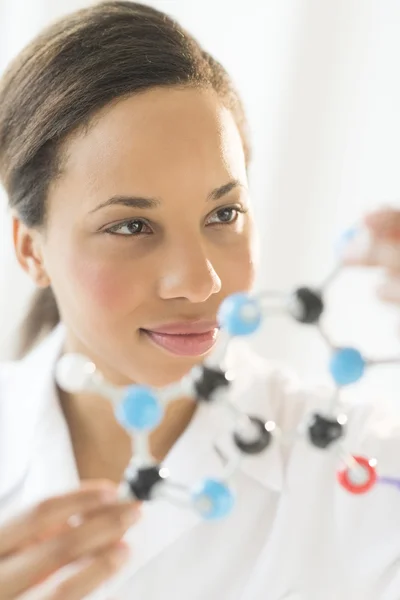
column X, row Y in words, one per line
column 321, row 83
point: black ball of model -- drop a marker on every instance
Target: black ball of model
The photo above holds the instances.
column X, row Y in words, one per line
column 306, row 305
column 142, row 481
column 257, row 445
column 323, row 431
column 210, row 381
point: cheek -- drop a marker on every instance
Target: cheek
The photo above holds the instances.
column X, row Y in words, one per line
column 96, row 283
column 103, row 285
column 237, row 258
column 244, row 271
column 236, row 267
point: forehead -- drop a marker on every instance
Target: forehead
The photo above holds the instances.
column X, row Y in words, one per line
column 158, row 138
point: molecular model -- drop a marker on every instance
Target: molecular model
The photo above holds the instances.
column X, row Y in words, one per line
column 140, row 408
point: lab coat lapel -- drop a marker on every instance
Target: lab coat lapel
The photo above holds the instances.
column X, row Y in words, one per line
column 192, row 459
column 36, row 454
column 17, row 413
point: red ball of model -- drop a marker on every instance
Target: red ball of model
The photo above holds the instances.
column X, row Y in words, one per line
column 360, row 478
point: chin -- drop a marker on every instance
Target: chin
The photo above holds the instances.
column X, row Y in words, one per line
column 171, row 372
column 159, row 372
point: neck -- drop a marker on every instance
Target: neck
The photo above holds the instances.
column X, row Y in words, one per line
column 102, row 447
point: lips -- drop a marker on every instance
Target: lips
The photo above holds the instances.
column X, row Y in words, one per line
column 184, row 338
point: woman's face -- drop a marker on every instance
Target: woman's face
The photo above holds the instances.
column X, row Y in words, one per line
column 148, row 231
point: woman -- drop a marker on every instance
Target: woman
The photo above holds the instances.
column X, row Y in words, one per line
column 124, row 154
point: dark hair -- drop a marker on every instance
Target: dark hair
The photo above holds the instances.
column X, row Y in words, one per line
column 64, row 76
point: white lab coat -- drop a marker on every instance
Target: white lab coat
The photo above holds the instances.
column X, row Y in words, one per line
column 294, row 533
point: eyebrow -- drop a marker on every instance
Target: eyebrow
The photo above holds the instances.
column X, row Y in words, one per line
column 224, row 189
column 140, row 202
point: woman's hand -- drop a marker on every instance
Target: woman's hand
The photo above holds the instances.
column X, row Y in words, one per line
column 45, row 539
column 381, row 248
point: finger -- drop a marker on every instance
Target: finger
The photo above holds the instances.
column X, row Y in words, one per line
column 54, row 512
column 387, row 255
column 22, row 571
column 389, row 290
column 77, row 520
column 103, row 566
column 384, row 224
column 355, row 258
column 378, row 253
column 362, row 251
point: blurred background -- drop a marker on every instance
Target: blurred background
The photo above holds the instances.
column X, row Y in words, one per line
column 321, row 84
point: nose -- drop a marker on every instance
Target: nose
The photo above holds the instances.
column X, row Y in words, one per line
column 188, row 273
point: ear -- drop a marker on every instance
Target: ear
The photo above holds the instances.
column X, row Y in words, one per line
column 28, row 250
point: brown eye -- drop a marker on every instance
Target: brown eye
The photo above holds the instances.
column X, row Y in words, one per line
column 129, row 228
column 224, row 216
